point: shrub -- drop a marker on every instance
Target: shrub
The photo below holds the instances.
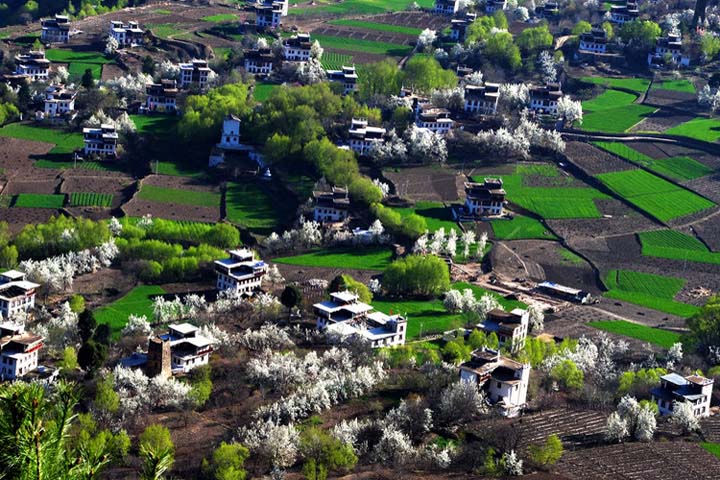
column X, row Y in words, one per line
column 417, row 275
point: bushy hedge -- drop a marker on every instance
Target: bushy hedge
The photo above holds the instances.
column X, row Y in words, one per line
column 60, row 235
column 221, row 235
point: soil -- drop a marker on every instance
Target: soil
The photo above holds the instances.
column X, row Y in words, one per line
column 18, row 217
column 594, row 160
column 195, row 213
column 119, row 186
column 669, row 98
column 14, row 187
column 15, row 158
column 181, row 183
column 425, row 183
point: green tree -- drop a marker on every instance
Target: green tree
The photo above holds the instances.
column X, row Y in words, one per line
column 532, row 40
column 421, row 275
column 77, row 303
column 456, row 351
column 581, row 27
column 24, row 96
column 549, row 453
column 228, row 462
column 69, row 360
column 222, row 235
column 500, row 20
column 106, row 399
column 479, row 30
column 492, row 341
column 291, row 297
column 425, row 74
column 88, row 81
column 640, row 34
column 705, row 326
column 86, row 325
column 202, row 385
column 609, row 30
column 477, row 339
column 8, row 256
column 323, row 452
column 204, row 114
column 710, row 47
column 381, row 79
column 92, row 355
column 346, row 282
column 148, row 65
column 363, row 191
column 157, row 438
column 568, row 375
column 502, row 51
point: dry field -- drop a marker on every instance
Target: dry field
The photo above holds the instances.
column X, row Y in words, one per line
column 425, row 183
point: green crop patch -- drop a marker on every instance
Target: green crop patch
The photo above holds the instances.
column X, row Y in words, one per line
column 178, row 196
column 255, row 207
column 381, row 27
column 678, row 168
column 220, row 18
column 263, row 91
column 335, row 61
column 78, row 62
column 648, row 290
column 138, row 302
column 616, row 120
column 366, row 46
column 660, row 198
column 656, row 336
column 607, row 100
column 165, row 30
column 519, row 228
column 685, row 86
column 38, row 200
column 355, row 258
column 713, row 448
column 155, row 124
column 705, row 129
column 675, row 245
column 65, row 142
column 638, row 85
column 436, row 215
column 91, row 199
column 360, row 7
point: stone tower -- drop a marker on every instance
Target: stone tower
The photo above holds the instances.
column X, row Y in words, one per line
column 158, row 358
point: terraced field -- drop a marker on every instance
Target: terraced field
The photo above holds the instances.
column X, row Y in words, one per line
column 436, row 215
column 653, row 291
column 680, row 168
column 38, row 200
column 705, row 129
column 178, row 196
column 88, row 199
column 637, row 85
column 137, row 302
column 675, row 245
column 519, row 228
column 364, row 46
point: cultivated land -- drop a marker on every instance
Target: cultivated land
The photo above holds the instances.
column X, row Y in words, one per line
column 706, row 129
column 353, row 258
column 676, row 246
column 436, row 215
column 652, row 291
column 679, row 168
column 655, row 336
column 137, row 302
column 519, row 228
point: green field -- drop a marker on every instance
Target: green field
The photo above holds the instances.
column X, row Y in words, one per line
column 39, row 200
column 262, row 91
column 660, row 198
column 79, row 62
column 137, row 302
column 563, row 197
column 713, row 448
column 155, row 124
column 616, row 120
column 607, row 100
column 429, row 316
column 361, row 7
column 675, row 86
column 656, row 336
column 705, row 129
column 91, row 199
column 519, row 228
column 64, row 142
column 638, row 85
column 178, row 196
column 652, row 291
column 165, row 30
column 381, row 27
column 355, row 258
column 366, row 46
column 335, row 61
column 436, row 215
column 676, row 246
column 175, row 169
column 255, row 207
column 220, row 18
column 677, row 168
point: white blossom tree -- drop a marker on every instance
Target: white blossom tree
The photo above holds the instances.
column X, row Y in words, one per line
column 426, row 145
column 512, row 463
column 570, row 110
column 475, row 78
column 426, row 38
column 277, row 444
column 137, row 325
column 316, row 51
column 392, row 149
column 616, row 428
column 683, row 415
column 548, row 67
column 674, row 355
column 459, row 402
column 537, row 317
column 111, row 45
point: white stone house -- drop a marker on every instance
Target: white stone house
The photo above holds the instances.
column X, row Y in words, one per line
column 485, row 199
column 188, row 349
column 446, row 7
column 492, row 6
column 16, row 293
column 346, row 76
column 345, row 316
column 363, row 137
column 458, row 26
column 482, row 99
column 100, row 141
column 18, row 351
column 620, row 14
column 297, row 48
column 230, row 138
column 504, row 381
column 511, row 327
column 544, row 98
column 547, row 10
column 269, row 13
column 127, row 35
column 435, row 119
column 32, row 65
column 594, row 41
column 196, row 72
column 240, row 273
column 161, row 97
column 668, row 49
column 55, row 30
column 59, row 102
column 259, row 61
column 694, row 389
column 331, row 207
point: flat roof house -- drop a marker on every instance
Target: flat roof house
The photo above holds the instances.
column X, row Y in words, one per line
column 230, row 138
column 59, row 103
column 482, row 99
column 240, row 273
column 195, row 72
column 100, row 141
column 563, row 292
column 346, row 76
column 485, row 199
column 32, row 65
column 188, row 349
column 16, row 294
column 492, row 6
column 161, row 97
column 694, row 389
column 364, row 137
column 621, row 14
column 55, row 30
column 544, row 98
column 127, row 35
column 668, row 50
column 18, row 351
column 435, row 119
column 344, row 315
column 297, row 48
column 446, row 7
column 458, row 26
column 547, row 10
column 510, row 327
column 594, row 41
column 269, row 13
column 331, row 207
column 259, row 61
column 504, row 381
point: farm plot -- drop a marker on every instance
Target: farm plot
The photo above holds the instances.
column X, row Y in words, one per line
column 354, row 258
column 178, row 196
column 519, row 228
column 108, row 191
column 91, row 199
column 191, row 199
column 705, row 129
column 38, row 200
column 263, row 91
column 382, row 27
column 79, row 62
column 675, row 245
column 257, row 207
column 155, row 124
column 425, row 183
column 685, row 86
column 220, row 18
column 637, row 85
column 365, row 46
column 65, row 142
column 332, row 61
column 360, row 7
column 550, row 195
column 436, row 215
column 652, row 291
column 613, row 111
column 659, row 198
column 137, row 302
column 678, row 168
column 656, row 336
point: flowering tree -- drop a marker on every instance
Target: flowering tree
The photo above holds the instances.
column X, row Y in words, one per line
column 514, row 96
column 426, row 145
column 392, row 149
column 111, row 45
column 311, row 72
column 683, row 415
column 709, row 98
column 61, row 75
column 512, row 464
column 382, row 186
column 570, row 110
column 616, row 428
column 467, row 239
column 60, row 330
column 276, row 444
column 426, row 38
column 130, row 86
column 137, row 326
column 547, row 65
column 169, row 70
column 504, row 143
column 537, row 317
column 316, row 51
column 674, row 355
column 460, row 402
column 451, row 98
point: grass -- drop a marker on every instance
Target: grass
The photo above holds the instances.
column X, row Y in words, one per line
column 660, row 198
column 616, row 120
column 656, row 336
column 436, row 215
column 675, row 86
column 220, row 18
column 137, row 302
column 162, row 12
column 713, row 448
column 361, row 7
column 165, row 30
column 676, row 246
column 39, row 200
column 79, row 62
column 429, row 316
column 569, row 257
column 677, row 168
column 366, row 46
column 91, row 199
column 155, row 124
column 381, row 27
column 62, row 165
column 65, row 142
column 607, row 100
column 178, row 196
column 255, row 207
column 638, row 85
column 335, row 61
column 356, row 258
column 562, row 198
column 705, row 129
column 519, row 228
column 652, row 291
column 263, row 91
column 175, row 169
